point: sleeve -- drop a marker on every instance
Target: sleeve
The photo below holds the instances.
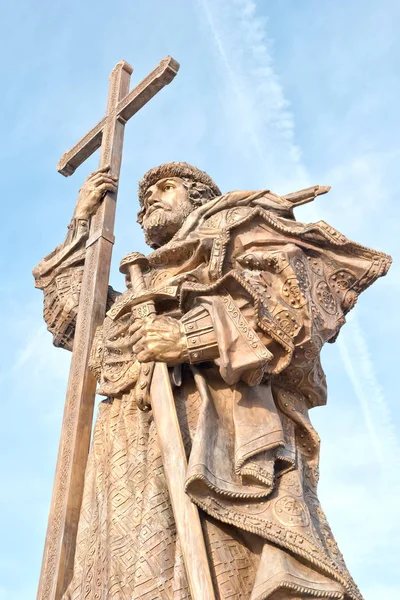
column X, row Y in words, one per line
column 228, row 324
column 274, row 303
column 59, row 275
column 217, row 329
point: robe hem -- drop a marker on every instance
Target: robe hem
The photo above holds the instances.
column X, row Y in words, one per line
column 331, row 572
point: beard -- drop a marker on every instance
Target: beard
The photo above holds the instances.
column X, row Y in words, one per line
column 161, row 225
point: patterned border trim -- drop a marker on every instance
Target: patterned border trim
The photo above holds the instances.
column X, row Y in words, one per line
column 244, row 327
column 300, row 589
column 273, row 533
column 218, row 252
column 327, row 232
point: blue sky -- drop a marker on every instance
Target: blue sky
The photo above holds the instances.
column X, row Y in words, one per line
column 277, row 94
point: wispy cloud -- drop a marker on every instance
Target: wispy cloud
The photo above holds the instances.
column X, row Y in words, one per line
column 228, row 112
column 245, row 50
column 265, row 122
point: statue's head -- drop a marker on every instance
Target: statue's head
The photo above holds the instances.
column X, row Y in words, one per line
column 167, row 195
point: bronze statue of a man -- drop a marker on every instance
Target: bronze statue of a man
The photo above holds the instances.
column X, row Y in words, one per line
column 246, row 296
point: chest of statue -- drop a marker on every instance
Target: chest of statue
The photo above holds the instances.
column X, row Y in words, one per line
column 112, row 359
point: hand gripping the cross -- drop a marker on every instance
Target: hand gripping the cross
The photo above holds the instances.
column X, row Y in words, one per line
column 93, row 191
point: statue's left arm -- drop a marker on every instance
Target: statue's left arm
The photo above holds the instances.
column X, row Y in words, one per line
column 224, row 326
column 281, row 291
column 277, row 291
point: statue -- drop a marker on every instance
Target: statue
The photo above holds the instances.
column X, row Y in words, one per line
column 236, row 300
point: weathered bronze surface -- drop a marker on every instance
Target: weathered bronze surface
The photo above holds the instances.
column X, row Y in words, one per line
column 233, row 308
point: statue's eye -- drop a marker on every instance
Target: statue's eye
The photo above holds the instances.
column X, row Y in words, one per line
column 169, row 186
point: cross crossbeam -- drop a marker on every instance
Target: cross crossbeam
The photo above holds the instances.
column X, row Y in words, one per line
column 122, row 110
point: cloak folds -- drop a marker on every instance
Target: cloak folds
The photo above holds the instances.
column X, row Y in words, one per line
column 269, row 291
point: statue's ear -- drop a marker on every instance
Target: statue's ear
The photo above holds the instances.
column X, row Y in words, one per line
column 197, row 190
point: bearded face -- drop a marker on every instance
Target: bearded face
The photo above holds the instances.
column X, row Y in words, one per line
column 166, row 206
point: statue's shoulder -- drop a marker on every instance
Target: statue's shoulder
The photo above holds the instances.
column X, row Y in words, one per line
column 237, row 207
column 226, row 218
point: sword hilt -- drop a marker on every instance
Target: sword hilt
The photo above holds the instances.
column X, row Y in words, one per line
column 158, row 385
column 133, row 265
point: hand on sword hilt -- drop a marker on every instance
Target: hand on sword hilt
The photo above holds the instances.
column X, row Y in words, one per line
column 133, row 265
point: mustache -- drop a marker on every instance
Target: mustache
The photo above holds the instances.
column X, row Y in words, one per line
column 154, row 207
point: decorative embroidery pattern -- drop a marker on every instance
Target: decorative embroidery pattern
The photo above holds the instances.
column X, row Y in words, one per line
column 244, row 328
column 292, row 293
column 326, row 298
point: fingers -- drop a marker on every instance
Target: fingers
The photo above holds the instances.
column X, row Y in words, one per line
column 139, row 345
column 104, row 169
column 103, row 172
column 107, row 187
column 103, row 177
column 141, row 322
column 137, row 337
column 135, row 326
column 140, row 331
column 120, row 329
column 99, row 179
column 145, row 356
column 118, row 344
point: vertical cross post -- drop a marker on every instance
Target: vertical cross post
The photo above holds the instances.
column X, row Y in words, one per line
column 59, row 551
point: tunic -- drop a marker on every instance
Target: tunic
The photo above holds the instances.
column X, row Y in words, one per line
column 267, row 292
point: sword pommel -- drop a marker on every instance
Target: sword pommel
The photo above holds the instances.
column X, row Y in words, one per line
column 134, row 258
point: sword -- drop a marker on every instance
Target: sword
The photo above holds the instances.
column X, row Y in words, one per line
column 173, row 455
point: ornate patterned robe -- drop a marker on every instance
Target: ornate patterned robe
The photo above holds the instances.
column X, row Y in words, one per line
column 274, row 291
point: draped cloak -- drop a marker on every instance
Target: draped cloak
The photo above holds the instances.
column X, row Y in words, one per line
column 275, row 291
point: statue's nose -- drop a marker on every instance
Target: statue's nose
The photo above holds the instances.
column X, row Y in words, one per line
column 154, row 197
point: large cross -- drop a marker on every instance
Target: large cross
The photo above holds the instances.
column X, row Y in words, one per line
column 59, row 551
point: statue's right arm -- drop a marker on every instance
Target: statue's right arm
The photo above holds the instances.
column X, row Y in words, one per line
column 59, row 274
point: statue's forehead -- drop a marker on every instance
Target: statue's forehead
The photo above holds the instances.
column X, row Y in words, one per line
column 164, row 180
